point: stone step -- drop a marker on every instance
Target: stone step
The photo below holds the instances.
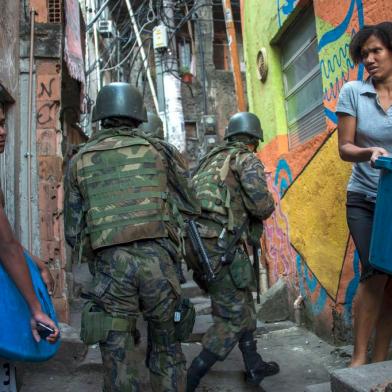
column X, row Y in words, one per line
column 324, row 387
column 191, row 290
column 368, row 378
column 203, row 322
column 202, row 305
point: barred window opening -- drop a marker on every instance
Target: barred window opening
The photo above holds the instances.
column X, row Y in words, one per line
column 54, row 11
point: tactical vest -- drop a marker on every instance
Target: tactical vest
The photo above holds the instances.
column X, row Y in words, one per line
column 217, row 187
column 124, row 185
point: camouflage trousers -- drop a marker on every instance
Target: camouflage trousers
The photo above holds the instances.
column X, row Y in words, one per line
column 233, row 312
column 130, row 280
column 233, row 308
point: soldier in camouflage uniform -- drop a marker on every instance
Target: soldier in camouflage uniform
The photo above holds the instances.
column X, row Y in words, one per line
column 154, row 128
column 231, row 186
column 120, row 201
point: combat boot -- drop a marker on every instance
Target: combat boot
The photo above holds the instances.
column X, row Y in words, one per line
column 199, row 368
column 256, row 368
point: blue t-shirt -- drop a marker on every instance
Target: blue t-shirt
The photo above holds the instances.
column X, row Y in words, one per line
column 374, row 129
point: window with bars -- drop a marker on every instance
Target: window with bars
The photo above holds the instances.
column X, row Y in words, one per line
column 54, row 11
column 302, row 81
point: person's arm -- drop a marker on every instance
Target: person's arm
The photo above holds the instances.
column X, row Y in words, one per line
column 346, row 111
column 257, row 198
column 12, row 258
column 350, row 152
column 45, row 274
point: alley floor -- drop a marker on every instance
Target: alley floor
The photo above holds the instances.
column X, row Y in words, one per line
column 303, row 357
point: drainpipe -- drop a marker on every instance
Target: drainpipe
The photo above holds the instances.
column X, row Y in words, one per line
column 263, row 278
column 28, row 154
column 298, row 306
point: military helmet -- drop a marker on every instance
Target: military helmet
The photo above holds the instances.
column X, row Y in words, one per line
column 244, row 123
column 119, row 100
column 153, row 126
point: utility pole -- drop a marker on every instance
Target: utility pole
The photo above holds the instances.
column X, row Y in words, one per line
column 170, row 95
column 96, row 51
column 232, row 41
column 160, row 38
column 142, row 52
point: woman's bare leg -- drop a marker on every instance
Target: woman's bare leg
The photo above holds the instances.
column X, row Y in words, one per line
column 383, row 327
column 367, row 305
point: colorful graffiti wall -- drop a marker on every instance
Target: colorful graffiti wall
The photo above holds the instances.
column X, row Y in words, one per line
column 307, row 240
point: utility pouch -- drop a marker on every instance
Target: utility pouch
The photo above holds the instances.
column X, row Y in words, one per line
column 92, row 325
column 241, row 271
column 96, row 324
column 184, row 319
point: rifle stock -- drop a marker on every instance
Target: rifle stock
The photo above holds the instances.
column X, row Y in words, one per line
column 198, row 247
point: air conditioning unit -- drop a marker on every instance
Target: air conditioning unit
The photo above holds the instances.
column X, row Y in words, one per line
column 105, row 28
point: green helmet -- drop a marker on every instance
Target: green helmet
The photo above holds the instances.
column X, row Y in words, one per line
column 244, row 123
column 153, row 126
column 119, row 100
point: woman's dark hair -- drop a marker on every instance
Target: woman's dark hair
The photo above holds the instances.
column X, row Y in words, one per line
column 383, row 31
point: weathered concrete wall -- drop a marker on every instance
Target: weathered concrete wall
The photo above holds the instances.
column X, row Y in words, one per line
column 307, row 239
column 49, row 156
column 9, row 79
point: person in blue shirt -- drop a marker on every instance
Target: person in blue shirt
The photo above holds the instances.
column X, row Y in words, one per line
column 365, row 133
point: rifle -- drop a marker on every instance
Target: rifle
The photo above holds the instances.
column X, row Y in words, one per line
column 256, row 268
column 198, row 247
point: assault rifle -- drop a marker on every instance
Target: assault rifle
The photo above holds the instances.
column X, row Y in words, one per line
column 198, row 247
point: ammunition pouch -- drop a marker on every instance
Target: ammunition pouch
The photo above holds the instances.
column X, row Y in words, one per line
column 96, row 324
column 187, row 315
column 177, row 330
column 241, row 271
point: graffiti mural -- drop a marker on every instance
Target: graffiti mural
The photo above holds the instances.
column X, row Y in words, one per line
column 335, row 62
column 276, row 231
column 307, row 239
column 284, row 9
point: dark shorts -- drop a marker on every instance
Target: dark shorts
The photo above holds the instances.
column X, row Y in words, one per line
column 360, row 212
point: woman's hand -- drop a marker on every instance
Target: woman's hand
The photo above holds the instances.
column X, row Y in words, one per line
column 376, row 153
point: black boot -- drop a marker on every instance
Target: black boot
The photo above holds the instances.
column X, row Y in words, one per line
column 256, row 368
column 199, row 368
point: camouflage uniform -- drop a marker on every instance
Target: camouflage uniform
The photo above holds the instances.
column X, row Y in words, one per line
column 134, row 247
column 231, row 293
column 231, row 186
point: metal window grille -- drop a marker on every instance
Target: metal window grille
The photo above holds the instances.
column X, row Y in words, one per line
column 302, row 81
column 54, row 11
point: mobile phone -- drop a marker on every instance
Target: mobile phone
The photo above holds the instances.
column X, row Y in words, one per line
column 44, row 330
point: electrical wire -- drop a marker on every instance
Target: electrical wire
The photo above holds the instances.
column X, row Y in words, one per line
column 97, row 15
